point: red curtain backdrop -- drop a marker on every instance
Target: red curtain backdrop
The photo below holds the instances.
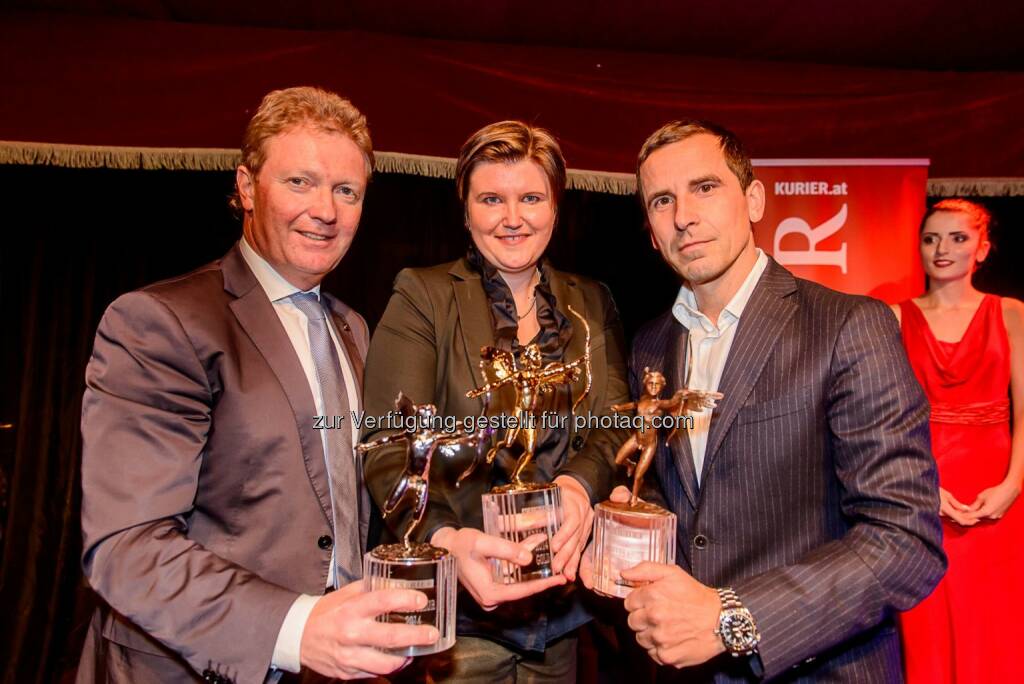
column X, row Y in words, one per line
column 848, row 224
column 110, row 81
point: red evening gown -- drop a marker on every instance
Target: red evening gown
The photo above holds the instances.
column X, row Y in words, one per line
column 969, row 629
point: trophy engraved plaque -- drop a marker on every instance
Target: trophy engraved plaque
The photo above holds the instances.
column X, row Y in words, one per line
column 425, row 568
column 523, row 511
column 417, row 565
column 530, row 515
column 627, row 534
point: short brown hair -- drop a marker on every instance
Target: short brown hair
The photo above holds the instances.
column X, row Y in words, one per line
column 735, row 156
column 283, row 109
column 510, row 142
column 979, row 216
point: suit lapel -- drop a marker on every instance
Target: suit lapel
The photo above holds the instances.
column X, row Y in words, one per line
column 765, row 316
column 568, row 294
column 257, row 317
column 474, row 316
column 675, row 370
column 344, row 331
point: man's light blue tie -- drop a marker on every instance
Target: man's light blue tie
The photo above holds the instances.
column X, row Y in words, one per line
column 341, row 469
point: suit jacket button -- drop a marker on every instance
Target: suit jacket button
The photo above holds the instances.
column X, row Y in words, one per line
column 700, row 541
column 577, row 442
column 325, row 542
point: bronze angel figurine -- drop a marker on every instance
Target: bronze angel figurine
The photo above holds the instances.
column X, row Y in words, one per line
column 649, row 405
column 530, row 381
column 422, row 440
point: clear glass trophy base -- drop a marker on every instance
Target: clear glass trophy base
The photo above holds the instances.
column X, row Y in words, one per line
column 422, row 567
column 625, row 536
column 530, row 513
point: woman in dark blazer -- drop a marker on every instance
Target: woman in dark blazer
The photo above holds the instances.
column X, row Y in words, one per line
column 510, row 177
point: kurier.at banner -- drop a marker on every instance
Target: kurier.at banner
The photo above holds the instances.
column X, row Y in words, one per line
column 850, row 224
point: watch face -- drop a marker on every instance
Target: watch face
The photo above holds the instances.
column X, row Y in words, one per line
column 738, row 631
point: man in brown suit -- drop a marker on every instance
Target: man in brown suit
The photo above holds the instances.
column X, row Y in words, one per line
column 215, row 515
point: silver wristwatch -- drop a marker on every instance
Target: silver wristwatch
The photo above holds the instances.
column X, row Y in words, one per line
column 736, row 626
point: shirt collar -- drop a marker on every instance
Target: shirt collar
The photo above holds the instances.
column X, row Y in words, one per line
column 685, row 308
column 272, row 282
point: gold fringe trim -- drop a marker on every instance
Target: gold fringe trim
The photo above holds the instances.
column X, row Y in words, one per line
column 103, row 157
column 601, row 181
column 975, row 187
column 415, row 164
column 225, row 159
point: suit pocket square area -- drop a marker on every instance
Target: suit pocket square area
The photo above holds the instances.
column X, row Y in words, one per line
column 758, row 410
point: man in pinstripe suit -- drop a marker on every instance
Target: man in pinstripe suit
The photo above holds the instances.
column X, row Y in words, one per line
column 807, row 500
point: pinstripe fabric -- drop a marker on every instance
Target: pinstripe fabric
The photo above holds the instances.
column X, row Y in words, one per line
column 819, row 499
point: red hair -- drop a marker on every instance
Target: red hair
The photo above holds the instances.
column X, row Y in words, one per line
column 979, row 216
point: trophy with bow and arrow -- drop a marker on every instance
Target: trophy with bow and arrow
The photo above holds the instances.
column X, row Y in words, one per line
column 523, row 511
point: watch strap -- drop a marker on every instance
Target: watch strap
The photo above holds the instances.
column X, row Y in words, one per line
column 728, row 598
column 731, row 604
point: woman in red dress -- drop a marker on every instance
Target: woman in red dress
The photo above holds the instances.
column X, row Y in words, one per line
column 967, row 350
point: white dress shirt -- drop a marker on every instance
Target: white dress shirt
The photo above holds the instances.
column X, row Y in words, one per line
column 295, row 323
column 708, row 348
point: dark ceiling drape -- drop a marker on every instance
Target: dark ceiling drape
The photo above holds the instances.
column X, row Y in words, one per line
column 118, row 81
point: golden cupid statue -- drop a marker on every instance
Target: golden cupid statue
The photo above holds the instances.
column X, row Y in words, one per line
column 645, row 439
column 530, row 382
column 421, row 443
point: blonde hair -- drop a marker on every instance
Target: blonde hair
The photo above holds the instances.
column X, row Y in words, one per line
column 510, row 142
column 284, row 109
